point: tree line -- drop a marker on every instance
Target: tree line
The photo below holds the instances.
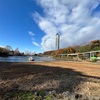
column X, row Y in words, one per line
column 91, row 46
column 8, row 51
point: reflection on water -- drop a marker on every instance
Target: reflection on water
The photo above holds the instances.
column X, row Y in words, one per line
column 24, row 59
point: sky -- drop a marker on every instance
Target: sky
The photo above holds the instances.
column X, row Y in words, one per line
column 31, row 25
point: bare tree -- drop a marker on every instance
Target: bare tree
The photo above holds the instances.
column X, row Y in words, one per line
column 16, row 52
column 8, row 48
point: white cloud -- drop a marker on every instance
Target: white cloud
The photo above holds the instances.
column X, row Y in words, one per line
column 76, row 20
column 1, row 46
column 32, row 37
column 36, row 44
column 30, row 33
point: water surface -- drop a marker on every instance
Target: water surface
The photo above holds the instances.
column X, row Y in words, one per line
column 24, row 59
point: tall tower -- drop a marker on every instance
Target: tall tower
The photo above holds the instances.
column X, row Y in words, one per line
column 57, row 41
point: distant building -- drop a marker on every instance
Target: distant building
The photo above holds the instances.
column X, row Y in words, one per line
column 57, row 41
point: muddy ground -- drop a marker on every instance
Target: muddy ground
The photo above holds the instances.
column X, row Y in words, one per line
column 60, row 76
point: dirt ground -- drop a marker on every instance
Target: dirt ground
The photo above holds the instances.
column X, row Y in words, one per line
column 60, row 76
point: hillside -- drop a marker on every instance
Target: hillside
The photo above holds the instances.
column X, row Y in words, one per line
column 91, row 46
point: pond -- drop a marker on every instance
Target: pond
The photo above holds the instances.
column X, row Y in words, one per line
column 24, row 59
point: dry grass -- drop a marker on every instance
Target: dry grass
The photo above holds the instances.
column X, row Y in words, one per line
column 76, row 77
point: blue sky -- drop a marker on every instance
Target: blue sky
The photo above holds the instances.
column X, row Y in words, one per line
column 32, row 24
column 16, row 23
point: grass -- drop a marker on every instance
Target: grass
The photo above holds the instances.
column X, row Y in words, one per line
column 25, row 96
column 18, row 96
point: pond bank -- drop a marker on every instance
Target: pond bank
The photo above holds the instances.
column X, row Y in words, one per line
column 59, row 76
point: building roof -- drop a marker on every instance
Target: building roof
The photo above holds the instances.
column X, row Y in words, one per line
column 57, row 34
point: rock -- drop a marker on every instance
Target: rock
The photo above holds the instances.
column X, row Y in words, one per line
column 81, row 97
